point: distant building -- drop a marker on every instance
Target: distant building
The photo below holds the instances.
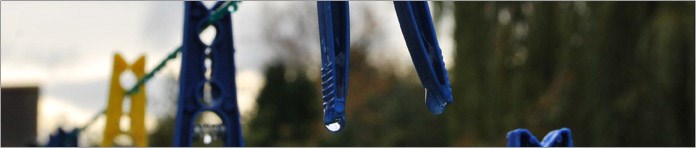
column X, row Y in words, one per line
column 19, row 114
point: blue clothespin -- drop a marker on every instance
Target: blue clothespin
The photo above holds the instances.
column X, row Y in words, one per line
column 192, row 77
column 419, row 33
column 524, row 138
column 334, row 28
column 62, row 139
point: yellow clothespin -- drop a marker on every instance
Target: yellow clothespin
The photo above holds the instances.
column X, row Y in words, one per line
column 114, row 109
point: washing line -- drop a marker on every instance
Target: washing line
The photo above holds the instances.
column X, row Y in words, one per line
column 214, row 16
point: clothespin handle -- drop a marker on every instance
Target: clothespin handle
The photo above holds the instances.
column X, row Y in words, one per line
column 222, row 74
column 417, row 27
column 334, row 28
column 114, row 109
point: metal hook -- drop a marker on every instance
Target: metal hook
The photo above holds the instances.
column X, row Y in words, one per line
column 419, row 33
column 335, row 49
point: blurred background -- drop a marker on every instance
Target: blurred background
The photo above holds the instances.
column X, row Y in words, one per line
column 615, row 73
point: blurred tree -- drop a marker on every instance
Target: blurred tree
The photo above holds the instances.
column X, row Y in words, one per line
column 163, row 134
column 616, row 73
column 382, row 109
column 286, row 109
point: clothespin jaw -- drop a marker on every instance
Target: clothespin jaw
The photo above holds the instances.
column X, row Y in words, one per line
column 62, row 139
column 334, row 28
column 192, row 77
column 419, row 33
column 114, row 110
column 524, row 138
column 558, row 138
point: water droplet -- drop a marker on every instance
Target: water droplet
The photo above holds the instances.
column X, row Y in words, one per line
column 333, row 127
column 435, row 105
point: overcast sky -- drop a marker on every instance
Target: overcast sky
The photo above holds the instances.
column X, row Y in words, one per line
column 67, row 48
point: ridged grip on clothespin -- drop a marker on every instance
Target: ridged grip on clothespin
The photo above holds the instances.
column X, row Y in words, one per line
column 114, row 110
column 335, row 53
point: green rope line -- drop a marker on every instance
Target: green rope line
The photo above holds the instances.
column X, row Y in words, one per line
column 215, row 16
column 94, row 118
column 135, row 88
column 149, row 75
column 217, row 13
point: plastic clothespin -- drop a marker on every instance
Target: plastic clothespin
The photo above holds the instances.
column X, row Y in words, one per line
column 62, row 139
column 524, row 138
column 192, row 77
column 419, row 33
column 114, row 109
column 334, row 28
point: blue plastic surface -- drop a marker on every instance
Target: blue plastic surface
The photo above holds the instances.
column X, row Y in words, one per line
column 417, row 28
column 192, row 76
column 524, row 138
column 334, row 28
column 419, row 33
column 62, row 139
